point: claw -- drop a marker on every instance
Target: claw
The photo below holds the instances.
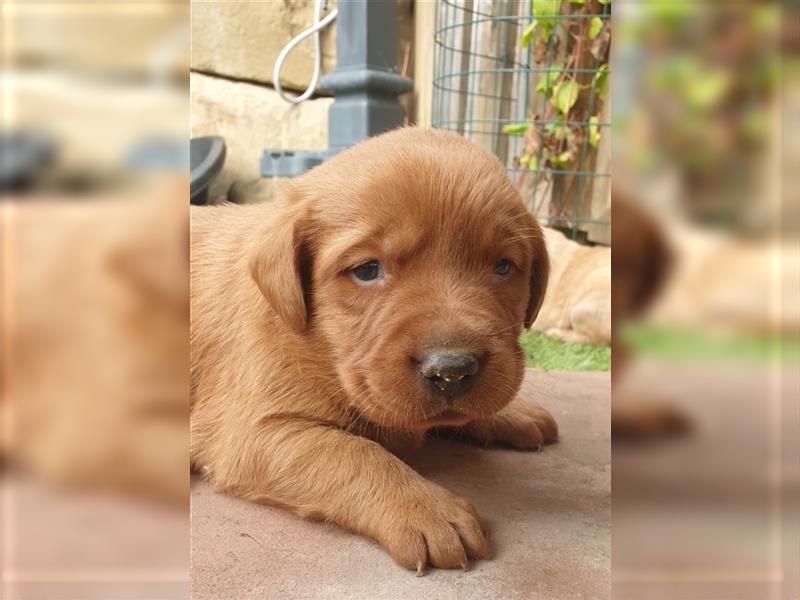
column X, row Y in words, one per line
column 420, row 569
column 465, row 567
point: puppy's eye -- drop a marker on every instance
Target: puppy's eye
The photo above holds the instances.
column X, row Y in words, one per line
column 502, row 267
column 369, row 271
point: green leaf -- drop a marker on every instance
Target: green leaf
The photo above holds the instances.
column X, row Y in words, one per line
column 545, row 8
column 557, row 129
column 528, row 34
column 516, row 128
column 544, row 83
column 707, row 90
column 594, row 132
column 566, row 95
column 546, row 13
column 604, row 1
column 548, row 78
column 576, row 1
column 529, row 161
column 766, row 18
column 600, row 81
column 595, row 25
column 564, row 158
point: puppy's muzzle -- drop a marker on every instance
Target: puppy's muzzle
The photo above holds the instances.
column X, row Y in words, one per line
column 449, row 373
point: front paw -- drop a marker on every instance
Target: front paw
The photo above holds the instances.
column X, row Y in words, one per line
column 638, row 419
column 431, row 526
column 521, row 425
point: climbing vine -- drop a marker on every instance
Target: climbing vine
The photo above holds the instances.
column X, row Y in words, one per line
column 569, row 42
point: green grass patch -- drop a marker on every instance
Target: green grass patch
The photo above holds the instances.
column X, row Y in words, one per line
column 665, row 344
column 682, row 345
column 550, row 354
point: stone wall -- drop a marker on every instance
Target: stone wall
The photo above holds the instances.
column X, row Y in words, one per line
column 252, row 118
column 147, row 40
column 234, row 48
column 241, row 40
column 100, row 79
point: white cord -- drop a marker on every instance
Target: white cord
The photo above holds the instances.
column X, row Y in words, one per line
column 314, row 29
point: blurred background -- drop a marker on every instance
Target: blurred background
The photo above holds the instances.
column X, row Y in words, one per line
column 93, row 244
column 705, row 146
column 693, row 110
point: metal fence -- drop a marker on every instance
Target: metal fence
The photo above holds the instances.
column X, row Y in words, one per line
column 529, row 81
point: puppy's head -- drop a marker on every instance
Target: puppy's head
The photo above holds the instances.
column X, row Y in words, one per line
column 413, row 260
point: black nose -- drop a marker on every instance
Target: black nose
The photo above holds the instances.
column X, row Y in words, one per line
column 449, row 373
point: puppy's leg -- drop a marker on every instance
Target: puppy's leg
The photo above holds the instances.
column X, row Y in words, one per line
column 592, row 318
column 589, row 323
column 641, row 419
column 520, row 424
column 568, row 335
column 323, row 472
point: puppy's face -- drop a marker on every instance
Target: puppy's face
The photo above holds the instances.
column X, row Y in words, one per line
column 418, row 265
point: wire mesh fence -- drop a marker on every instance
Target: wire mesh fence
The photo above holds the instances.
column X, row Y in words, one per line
column 529, row 81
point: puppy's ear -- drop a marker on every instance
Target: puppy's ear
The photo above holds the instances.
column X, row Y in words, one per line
column 540, row 272
column 280, row 265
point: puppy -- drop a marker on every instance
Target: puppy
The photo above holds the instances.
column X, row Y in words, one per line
column 577, row 306
column 642, row 264
column 383, row 297
column 94, row 367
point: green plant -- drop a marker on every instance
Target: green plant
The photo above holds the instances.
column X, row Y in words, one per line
column 569, row 41
column 573, row 89
column 706, row 106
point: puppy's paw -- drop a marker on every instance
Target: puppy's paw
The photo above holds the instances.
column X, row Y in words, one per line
column 431, row 526
column 642, row 420
column 521, row 425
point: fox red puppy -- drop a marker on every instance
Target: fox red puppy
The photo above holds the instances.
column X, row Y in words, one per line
column 380, row 298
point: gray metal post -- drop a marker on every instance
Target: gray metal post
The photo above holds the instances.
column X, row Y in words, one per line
column 365, row 84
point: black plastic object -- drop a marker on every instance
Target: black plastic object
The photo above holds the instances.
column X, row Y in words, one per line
column 206, row 157
column 23, row 157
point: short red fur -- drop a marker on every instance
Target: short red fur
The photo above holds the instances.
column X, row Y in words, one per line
column 304, row 380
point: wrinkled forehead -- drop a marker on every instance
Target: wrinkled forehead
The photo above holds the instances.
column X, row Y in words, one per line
column 410, row 217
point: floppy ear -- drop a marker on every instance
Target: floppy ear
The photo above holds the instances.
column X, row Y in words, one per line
column 280, row 265
column 540, row 272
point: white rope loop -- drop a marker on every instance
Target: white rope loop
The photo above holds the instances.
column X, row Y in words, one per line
column 314, row 29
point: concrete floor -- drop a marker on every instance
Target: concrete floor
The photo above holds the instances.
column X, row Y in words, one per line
column 68, row 544
column 716, row 513
column 712, row 515
column 548, row 514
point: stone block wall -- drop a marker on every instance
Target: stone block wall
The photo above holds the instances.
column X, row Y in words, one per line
column 100, row 78
column 234, row 48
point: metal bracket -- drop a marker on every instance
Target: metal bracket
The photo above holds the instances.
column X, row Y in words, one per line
column 365, row 85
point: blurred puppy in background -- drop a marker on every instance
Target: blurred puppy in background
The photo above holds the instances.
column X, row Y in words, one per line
column 577, row 306
column 95, row 342
column 641, row 266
